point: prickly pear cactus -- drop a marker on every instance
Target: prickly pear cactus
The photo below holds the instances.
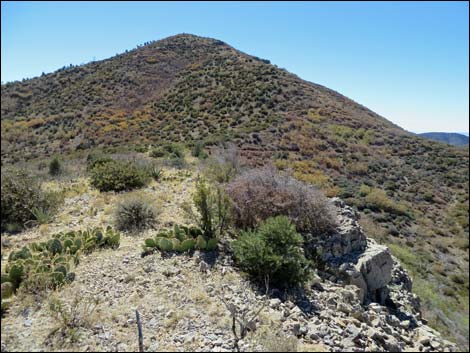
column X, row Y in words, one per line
column 61, row 268
column 98, row 234
column 57, row 278
column 163, row 234
column 55, row 246
column 78, row 243
column 70, row 277
column 165, row 244
column 187, row 245
column 211, row 244
column 182, row 239
column 195, row 231
column 7, row 290
column 201, row 243
column 150, row 243
column 24, row 253
column 48, row 264
column 68, row 243
column 179, row 233
column 16, row 275
column 176, row 244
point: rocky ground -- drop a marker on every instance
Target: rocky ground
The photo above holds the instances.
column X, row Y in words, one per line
column 360, row 301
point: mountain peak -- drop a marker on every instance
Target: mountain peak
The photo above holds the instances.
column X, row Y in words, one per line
column 197, row 91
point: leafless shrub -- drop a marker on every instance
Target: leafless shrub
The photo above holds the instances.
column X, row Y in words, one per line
column 224, row 163
column 244, row 316
column 261, row 193
column 70, row 317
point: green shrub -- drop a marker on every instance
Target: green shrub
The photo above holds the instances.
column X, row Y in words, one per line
column 174, row 150
column 175, row 162
column 170, row 151
column 213, row 206
column 118, row 176
column 273, row 251
column 55, row 167
column 95, row 159
column 377, row 199
column 23, row 200
column 198, row 151
column 134, row 213
column 157, row 152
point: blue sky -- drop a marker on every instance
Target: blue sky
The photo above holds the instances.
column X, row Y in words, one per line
column 406, row 61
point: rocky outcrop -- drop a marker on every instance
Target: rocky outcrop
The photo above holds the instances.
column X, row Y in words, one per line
column 352, row 258
column 363, row 298
column 347, row 239
column 340, row 323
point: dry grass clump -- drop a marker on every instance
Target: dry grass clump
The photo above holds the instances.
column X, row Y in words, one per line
column 135, row 213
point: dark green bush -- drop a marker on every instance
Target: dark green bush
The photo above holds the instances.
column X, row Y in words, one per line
column 273, row 251
column 134, row 213
column 118, row 176
column 173, row 155
column 157, row 152
column 175, row 162
column 198, row 151
column 95, row 159
column 21, row 196
column 172, row 150
column 55, row 167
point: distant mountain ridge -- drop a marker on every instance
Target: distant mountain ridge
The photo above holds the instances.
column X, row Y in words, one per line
column 452, row 138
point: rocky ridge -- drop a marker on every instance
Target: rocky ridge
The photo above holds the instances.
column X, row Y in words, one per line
column 361, row 300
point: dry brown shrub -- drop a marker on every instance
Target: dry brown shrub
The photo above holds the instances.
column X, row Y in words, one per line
column 262, row 193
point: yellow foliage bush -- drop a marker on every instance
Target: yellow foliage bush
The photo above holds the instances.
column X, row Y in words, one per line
column 378, row 199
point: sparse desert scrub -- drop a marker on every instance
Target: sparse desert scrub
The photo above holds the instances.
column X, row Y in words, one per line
column 70, row 317
column 223, row 165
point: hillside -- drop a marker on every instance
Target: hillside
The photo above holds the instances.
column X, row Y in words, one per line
column 412, row 193
column 447, row 137
column 179, row 295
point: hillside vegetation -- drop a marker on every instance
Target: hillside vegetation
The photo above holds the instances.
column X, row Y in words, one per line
column 412, row 193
